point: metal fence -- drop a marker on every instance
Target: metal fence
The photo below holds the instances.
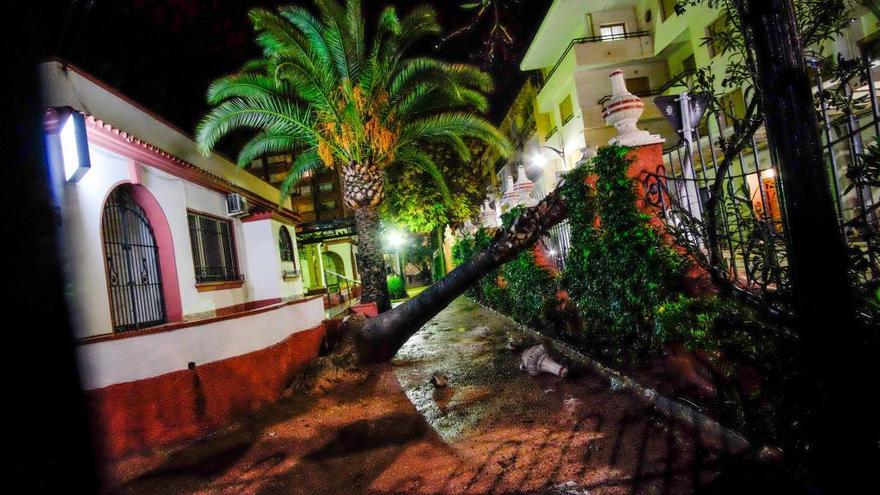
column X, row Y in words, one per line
column 742, row 237
column 558, row 242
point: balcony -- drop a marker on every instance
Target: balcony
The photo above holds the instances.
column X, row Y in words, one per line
column 597, row 51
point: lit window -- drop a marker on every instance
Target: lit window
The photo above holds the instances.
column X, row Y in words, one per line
column 545, row 125
column 213, row 248
column 610, row 32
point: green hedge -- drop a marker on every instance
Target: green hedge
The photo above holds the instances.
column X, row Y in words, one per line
column 528, row 290
column 619, row 269
column 621, row 275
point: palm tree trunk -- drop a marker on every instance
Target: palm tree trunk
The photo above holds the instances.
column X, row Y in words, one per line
column 371, row 263
column 380, row 337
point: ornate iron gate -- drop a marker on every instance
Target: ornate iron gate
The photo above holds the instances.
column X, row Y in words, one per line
column 751, row 243
column 132, row 257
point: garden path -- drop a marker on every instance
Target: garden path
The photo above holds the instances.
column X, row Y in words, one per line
column 493, row 429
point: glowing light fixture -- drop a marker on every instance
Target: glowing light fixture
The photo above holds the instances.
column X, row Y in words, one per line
column 538, row 160
column 74, row 145
column 394, row 238
column 768, row 174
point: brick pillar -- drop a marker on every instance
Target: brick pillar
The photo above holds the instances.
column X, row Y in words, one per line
column 645, row 160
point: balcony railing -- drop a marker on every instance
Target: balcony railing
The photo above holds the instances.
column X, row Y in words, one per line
column 591, row 39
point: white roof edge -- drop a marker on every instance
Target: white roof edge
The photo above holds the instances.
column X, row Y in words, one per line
column 524, row 66
column 65, row 85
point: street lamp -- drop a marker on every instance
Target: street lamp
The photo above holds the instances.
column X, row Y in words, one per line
column 540, row 161
column 395, row 239
column 558, row 152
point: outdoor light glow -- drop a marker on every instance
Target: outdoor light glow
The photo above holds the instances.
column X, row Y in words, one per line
column 74, row 147
column 538, row 160
column 768, row 174
column 394, row 238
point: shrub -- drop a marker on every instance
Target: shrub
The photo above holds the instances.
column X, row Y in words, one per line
column 396, row 288
column 619, row 269
column 528, row 288
column 690, row 321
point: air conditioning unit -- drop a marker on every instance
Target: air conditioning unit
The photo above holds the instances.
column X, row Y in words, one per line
column 236, row 205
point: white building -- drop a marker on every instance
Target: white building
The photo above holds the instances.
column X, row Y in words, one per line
column 187, row 305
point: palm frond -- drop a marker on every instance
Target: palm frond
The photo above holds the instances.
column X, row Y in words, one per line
column 314, row 87
column 268, row 114
column 413, row 156
column 257, row 65
column 244, row 85
column 419, row 23
column 266, row 143
column 312, row 28
column 437, row 127
column 388, row 26
column 333, row 18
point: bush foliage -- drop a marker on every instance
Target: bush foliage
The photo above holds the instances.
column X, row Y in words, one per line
column 396, row 288
column 619, row 269
column 520, row 289
column 621, row 275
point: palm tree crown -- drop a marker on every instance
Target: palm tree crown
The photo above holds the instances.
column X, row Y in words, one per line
column 325, row 93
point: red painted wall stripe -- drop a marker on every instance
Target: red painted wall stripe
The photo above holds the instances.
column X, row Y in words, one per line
column 167, row 409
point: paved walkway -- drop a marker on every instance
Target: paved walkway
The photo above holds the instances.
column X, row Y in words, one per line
column 494, row 429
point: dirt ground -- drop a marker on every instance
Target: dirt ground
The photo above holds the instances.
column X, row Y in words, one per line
column 493, row 429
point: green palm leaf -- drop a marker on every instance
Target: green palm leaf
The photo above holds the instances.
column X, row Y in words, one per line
column 254, row 113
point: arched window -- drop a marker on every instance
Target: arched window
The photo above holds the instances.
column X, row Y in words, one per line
column 285, row 245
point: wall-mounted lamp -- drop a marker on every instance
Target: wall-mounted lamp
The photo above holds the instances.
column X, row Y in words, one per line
column 74, row 144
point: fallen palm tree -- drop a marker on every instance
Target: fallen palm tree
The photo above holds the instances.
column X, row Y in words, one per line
column 379, row 338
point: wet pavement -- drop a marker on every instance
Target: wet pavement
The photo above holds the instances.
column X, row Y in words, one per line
column 493, row 429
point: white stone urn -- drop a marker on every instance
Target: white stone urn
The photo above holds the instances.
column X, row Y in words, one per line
column 622, row 111
column 488, row 217
column 524, row 188
column 511, row 196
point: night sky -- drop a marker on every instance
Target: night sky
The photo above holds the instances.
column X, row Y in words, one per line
column 164, row 53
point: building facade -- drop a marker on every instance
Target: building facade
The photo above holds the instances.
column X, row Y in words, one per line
column 182, row 272
column 328, row 246
column 560, row 116
column 580, row 42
